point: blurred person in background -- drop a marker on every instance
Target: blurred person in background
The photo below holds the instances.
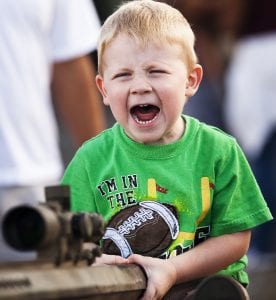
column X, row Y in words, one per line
column 45, row 47
column 250, row 106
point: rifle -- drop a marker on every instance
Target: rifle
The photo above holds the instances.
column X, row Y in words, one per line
column 67, row 245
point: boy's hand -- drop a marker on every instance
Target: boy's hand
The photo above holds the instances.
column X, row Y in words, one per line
column 110, row 260
column 161, row 275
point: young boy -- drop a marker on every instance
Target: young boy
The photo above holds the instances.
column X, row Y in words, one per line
column 168, row 186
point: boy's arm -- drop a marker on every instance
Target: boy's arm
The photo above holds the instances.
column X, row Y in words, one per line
column 209, row 257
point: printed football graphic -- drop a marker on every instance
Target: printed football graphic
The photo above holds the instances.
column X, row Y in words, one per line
column 147, row 228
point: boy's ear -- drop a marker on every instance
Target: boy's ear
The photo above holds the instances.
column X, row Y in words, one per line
column 100, row 85
column 194, row 80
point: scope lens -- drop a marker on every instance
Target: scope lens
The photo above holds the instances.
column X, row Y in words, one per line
column 23, row 228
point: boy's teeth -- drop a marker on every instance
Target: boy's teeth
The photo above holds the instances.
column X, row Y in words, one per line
column 144, row 122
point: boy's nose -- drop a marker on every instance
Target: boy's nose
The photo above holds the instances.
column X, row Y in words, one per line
column 140, row 86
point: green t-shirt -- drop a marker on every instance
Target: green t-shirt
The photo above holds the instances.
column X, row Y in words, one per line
column 204, row 175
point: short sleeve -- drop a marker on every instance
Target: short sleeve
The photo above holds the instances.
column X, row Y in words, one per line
column 76, row 176
column 238, row 203
column 75, row 29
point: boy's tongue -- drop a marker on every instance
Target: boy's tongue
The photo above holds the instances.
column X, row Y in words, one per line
column 145, row 112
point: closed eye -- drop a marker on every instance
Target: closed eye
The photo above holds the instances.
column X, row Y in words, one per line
column 158, row 71
column 123, row 74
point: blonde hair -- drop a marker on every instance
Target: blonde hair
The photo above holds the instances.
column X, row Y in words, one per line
column 145, row 21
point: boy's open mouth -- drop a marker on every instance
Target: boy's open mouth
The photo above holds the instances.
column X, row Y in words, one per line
column 144, row 113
